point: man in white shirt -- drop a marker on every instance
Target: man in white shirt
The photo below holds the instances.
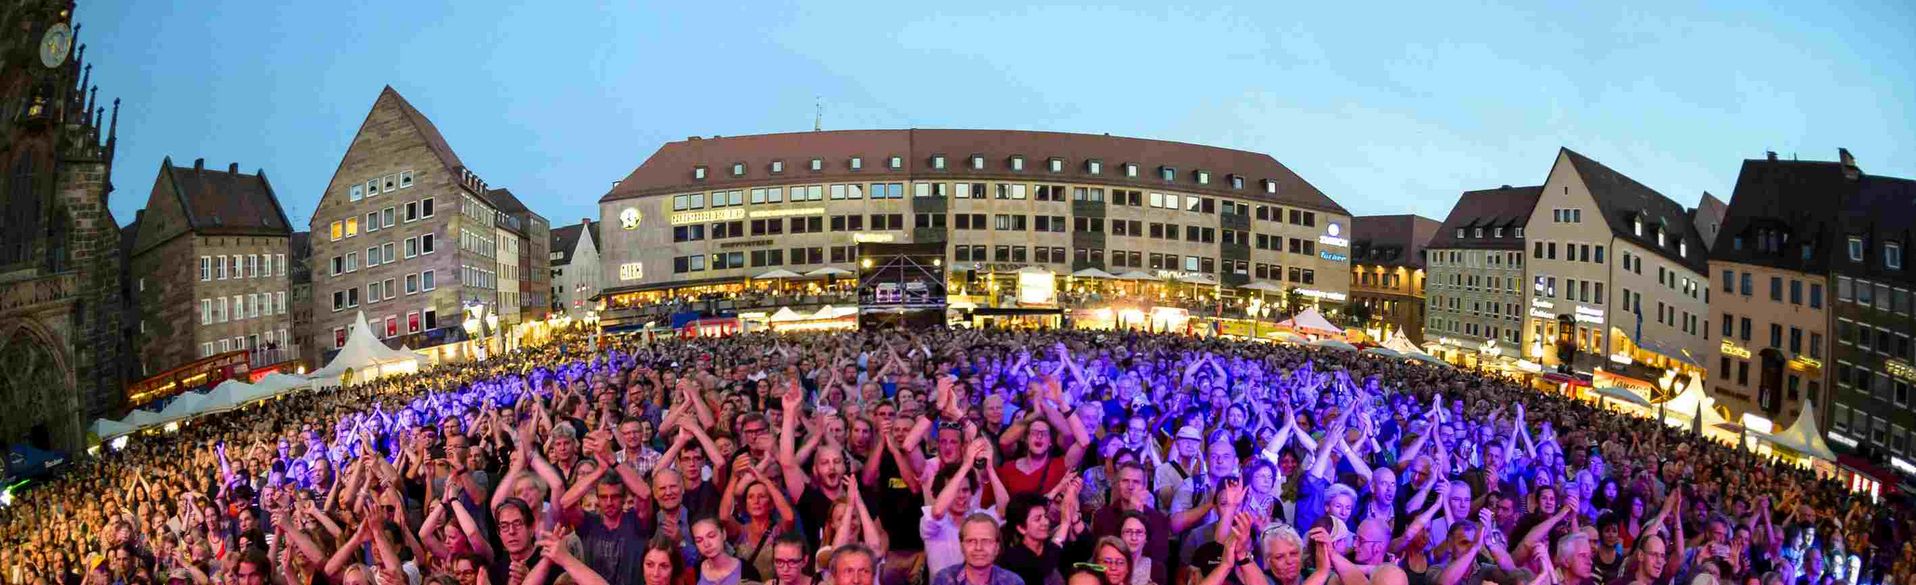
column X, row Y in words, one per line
column 950, row 500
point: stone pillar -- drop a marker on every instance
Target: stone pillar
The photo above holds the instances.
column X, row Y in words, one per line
column 99, row 342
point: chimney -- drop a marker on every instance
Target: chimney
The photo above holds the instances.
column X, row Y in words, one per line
column 1770, row 154
column 1504, row 187
column 585, row 221
column 1850, row 170
column 199, row 164
column 232, row 168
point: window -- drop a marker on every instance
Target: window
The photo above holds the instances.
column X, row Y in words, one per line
column 425, row 208
column 425, row 244
column 412, row 283
column 818, row 164
column 738, row 169
column 1855, row 249
column 1893, row 255
column 778, row 166
column 896, row 162
column 1776, row 288
column 206, row 268
column 698, row 173
column 858, row 163
column 1131, row 170
column 356, row 192
column 1094, row 167
column 426, row 281
column 1017, row 163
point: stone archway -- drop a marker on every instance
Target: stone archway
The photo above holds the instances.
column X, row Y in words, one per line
column 37, row 394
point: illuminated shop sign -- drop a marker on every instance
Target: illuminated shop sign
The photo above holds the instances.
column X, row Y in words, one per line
column 1589, row 315
column 1842, row 439
column 1321, row 294
column 1900, row 369
column 873, row 238
column 629, row 218
column 1731, row 349
column 632, row 271
column 1334, row 236
column 707, row 216
column 1333, row 257
column 1543, row 304
column 1902, row 465
column 789, row 212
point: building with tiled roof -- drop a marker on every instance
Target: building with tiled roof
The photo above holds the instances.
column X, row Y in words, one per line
column 1474, row 290
column 576, row 271
column 405, row 233
column 703, row 215
column 1387, row 270
column 209, row 262
column 1615, row 278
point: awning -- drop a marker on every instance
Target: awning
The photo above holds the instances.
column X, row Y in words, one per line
column 1263, row 285
column 1559, row 378
column 829, row 271
column 1092, row 273
column 776, row 274
column 1009, row 311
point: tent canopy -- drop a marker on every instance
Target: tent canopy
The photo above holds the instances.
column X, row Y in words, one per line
column 1263, row 285
column 1092, row 273
column 362, row 351
column 1137, row 275
column 1311, row 321
column 776, row 274
column 829, row 271
column 1803, row 436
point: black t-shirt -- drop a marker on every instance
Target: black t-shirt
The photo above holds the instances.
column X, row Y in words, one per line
column 1035, row 568
column 499, row 571
column 815, row 508
column 614, row 553
column 899, row 519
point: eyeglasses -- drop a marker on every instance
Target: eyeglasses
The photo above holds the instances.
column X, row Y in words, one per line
column 1089, row 567
column 787, row 562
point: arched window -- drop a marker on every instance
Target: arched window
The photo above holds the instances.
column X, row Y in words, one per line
column 21, row 211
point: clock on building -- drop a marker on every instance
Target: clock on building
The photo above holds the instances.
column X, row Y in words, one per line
column 55, row 44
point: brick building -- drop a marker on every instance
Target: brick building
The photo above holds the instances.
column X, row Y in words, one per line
column 209, row 263
column 532, row 241
column 404, row 233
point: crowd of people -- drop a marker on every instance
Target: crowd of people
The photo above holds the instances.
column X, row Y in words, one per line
column 949, row 457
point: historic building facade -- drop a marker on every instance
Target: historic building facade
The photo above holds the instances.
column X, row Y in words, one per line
column 1475, row 292
column 705, row 213
column 575, row 268
column 209, row 265
column 403, row 233
column 1387, row 270
column 63, row 346
column 1615, row 277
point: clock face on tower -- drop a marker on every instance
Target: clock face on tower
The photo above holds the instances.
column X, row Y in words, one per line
column 55, row 45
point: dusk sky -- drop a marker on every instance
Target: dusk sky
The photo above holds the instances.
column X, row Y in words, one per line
column 1388, row 109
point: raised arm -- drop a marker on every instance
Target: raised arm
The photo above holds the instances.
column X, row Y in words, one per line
column 787, row 439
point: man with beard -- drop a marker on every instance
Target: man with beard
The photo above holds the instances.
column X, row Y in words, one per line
column 826, row 483
column 613, row 536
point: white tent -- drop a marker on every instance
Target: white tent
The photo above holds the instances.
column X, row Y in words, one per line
column 1262, row 285
column 1803, row 436
column 365, row 357
column 226, row 396
column 106, row 430
column 775, row 274
column 1398, row 343
column 1338, row 344
column 139, row 419
column 1690, row 404
column 1197, row 279
column 1092, row 273
column 1137, row 275
column 785, row 314
column 829, row 271
column 1311, row 321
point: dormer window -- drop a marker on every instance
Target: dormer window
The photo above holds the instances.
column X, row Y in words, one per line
column 1480, row 233
column 977, row 162
column 1017, row 163
column 698, row 173
column 1855, row 249
column 1056, row 164
column 1169, row 174
column 1204, row 177
column 1893, row 255
column 818, row 164
column 1460, row 233
column 1497, row 232
column 1237, row 182
column 938, row 162
column 778, row 166
column 1094, row 166
column 858, row 163
column 896, row 162
column 1270, row 186
column 1131, row 170
column 1636, row 226
column 1683, row 249
column 738, row 169
column 1519, row 232
column 1660, row 242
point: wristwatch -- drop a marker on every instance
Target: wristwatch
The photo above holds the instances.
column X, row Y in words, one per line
column 1244, row 561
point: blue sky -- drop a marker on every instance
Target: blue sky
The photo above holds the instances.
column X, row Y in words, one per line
column 1388, row 108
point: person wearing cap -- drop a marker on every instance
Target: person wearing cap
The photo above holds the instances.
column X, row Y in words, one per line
column 1185, row 460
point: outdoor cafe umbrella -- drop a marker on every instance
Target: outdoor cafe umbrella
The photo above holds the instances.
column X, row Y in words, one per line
column 1615, row 393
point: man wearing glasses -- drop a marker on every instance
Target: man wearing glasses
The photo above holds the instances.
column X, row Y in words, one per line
column 979, row 540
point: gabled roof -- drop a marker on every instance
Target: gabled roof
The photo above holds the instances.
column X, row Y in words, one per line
column 1506, row 207
column 1883, row 209
column 226, row 202
column 1391, row 240
column 1622, row 200
column 565, row 240
column 1798, row 202
column 503, row 200
column 670, row 169
column 434, row 140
